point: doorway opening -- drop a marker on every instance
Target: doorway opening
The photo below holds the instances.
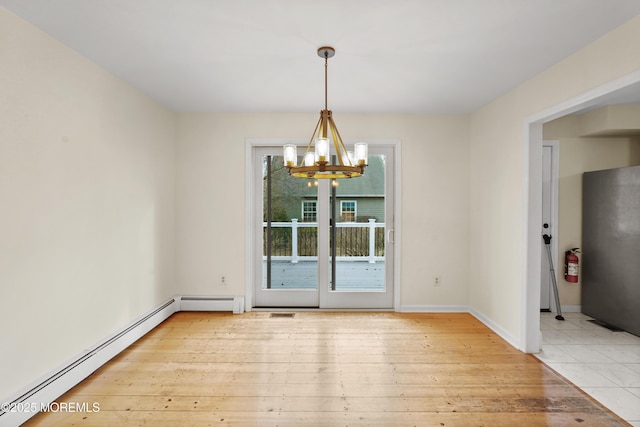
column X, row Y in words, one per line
column 600, row 96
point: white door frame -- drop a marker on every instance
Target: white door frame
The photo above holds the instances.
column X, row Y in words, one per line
column 532, row 191
column 554, row 171
column 250, row 206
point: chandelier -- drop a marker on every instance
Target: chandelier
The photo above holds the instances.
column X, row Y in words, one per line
column 321, row 163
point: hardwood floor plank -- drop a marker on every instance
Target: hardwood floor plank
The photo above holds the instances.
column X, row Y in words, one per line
column 327, row 369
column 328, row 419
column 149, row 356
column 344, row 403
column 317, row 390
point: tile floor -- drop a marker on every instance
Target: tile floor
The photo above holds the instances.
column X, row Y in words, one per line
column 604, row 364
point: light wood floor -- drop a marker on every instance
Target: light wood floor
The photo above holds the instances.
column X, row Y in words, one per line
column 327, row 369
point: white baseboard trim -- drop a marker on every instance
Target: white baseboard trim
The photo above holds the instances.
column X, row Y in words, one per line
column 433, row 309
column 29, row 401
column 571, row 308
column 462, row 309
column 212, row 303
column 502, row 333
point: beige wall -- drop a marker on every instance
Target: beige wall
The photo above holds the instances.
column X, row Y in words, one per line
column 435, row 197
column 86, row 204
column 579, row 155
column 499, row 172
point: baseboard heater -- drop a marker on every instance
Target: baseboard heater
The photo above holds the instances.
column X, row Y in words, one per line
column 62, row 379
column 17, row 410
column 206, row 303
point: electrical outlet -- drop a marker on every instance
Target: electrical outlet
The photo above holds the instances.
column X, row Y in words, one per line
column 223, row 280
column 436, row 281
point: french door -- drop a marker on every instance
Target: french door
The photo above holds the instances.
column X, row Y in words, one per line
column 323, row 243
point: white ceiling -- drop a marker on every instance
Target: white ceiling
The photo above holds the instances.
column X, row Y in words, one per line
column 392, row 56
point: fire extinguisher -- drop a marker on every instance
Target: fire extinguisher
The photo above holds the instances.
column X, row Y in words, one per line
column 571, row 265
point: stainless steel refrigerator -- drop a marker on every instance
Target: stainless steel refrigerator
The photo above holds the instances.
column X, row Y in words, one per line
column 611, row 247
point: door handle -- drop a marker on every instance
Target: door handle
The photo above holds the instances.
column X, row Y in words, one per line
column 389, row 232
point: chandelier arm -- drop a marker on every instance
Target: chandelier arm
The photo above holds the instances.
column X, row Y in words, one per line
column 312, row 136
column 329, row 172
column 340, row 147
column 336, row 143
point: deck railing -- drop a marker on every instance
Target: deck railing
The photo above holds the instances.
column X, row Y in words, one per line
column 298, row 241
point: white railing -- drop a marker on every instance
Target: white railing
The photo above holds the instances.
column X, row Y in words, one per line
column 294, row 225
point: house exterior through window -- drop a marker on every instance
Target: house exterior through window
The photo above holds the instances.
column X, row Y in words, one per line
column 356, row 200
column 309, row 211
column 348, row 210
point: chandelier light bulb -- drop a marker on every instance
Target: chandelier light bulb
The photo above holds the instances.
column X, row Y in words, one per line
column 362, row 153
column 352, row 158
column 290, row 155
column 309, row 159
column 322, row 149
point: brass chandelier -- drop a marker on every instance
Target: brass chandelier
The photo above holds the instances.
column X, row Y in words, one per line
column 318, row 163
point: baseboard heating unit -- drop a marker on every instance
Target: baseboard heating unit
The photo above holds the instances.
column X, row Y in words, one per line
column 39, row 395
column 204, row 303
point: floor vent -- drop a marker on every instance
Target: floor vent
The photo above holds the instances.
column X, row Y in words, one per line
column 606, row 325
column 288, row 315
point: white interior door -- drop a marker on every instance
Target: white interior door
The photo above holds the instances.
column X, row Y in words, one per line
column 549, row 217
column 324, row 243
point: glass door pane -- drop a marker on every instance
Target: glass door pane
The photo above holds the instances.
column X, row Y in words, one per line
column 324, row 243
column 357, row 230
column 361, row 212
column 289, row 266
